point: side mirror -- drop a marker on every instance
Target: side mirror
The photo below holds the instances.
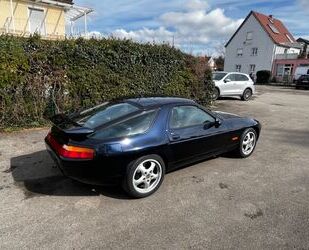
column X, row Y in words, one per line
column 227, row 80
column 217, row 123
column 208, row 124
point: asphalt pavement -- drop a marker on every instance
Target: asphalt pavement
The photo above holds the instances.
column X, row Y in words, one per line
column 261, row 202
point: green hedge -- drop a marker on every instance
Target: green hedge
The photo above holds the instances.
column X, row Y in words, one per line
column 39, row 78
column 263, row 76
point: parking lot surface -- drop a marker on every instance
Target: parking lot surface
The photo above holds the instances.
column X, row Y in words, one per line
column 261, row 202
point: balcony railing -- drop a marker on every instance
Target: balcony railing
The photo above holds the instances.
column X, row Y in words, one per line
column 287, row 56
column 22, row 27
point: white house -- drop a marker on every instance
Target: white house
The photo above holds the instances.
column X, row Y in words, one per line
column 211, row 63
column 258, row 41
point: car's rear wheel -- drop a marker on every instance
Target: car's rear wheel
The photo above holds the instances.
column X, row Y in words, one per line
column 247, row 143
column 246, row 95
column 216, row 94
column 144, row 176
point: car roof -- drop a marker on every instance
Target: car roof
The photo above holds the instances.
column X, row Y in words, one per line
column 147, row 102
column 231, row 72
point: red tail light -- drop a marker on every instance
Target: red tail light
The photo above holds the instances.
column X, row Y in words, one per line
column 72, row 152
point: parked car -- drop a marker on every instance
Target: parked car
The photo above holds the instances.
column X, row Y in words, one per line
column 301, row 70
column 303, row 82
column 136, row 141
column 233, row 84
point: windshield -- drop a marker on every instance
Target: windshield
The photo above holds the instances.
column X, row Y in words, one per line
column 217, row 76
column 304, row 77
column 103, row 114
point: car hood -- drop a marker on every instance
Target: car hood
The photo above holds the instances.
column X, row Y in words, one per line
column 225, row 115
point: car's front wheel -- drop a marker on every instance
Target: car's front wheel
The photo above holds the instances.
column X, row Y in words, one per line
column 247, row 143
column 144, row 176
column 216, row 94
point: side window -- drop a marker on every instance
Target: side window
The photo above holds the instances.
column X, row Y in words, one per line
column 232, row 77
column 132, row 126
column 186, row 116
column 241, row 78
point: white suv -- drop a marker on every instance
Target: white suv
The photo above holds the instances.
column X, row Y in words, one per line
column 233, row 84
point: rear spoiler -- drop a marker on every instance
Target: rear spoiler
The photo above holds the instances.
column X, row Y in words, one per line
column 62, row 121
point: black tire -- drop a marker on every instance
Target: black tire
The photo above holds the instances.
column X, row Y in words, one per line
column 133, row 170
column 216, row 94
column 246, row 95
column 240, row 152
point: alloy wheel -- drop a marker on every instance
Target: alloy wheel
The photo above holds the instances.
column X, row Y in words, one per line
column 248, row 143
column 216, row 94
column 247, row 94
column 147, row 176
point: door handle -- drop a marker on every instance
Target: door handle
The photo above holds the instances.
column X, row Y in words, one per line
column 175, row 136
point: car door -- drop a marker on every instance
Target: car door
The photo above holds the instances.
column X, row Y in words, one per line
column 241, row 82
column 189, row 136
column 228, row 85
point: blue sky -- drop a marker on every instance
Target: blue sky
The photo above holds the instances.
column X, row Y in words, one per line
column 197, row 26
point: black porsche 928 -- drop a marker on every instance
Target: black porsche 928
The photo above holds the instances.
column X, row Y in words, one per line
column 134, row 142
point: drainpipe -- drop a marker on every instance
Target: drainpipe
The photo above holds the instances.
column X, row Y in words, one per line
column 12, row 15
column 71, row 28
column 85, row 23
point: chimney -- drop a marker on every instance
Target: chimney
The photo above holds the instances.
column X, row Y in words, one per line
column 271, row 16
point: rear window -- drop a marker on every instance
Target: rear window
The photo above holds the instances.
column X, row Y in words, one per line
column 240, row 77
column 138, row 124
column 105, row 113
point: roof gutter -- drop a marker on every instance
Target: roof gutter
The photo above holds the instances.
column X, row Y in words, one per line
column 56, row 3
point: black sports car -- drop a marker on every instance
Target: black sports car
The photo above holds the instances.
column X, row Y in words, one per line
column 136, row 141
column 303, row 82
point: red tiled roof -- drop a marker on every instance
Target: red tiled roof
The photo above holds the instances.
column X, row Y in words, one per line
column 278, row 38
column 264, row 20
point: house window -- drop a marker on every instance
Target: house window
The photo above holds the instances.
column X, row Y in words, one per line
column 252, row 68
column 288, row 37
column 37, row 21
column 239, row 52
column 254, row 51
column 273, row 28
column 238, row 67
column 279, row 70
column 249, row 35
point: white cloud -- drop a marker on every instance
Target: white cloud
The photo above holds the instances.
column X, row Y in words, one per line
column 305, row 37
column 304, row 4
column 145, row 35
column 197, row 4
column 95, row 34
column 200, row 24
column 196, row 26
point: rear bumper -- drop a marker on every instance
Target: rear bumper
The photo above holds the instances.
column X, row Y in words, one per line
column 89, row 172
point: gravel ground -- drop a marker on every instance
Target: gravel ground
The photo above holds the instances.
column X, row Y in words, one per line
column 256, row 203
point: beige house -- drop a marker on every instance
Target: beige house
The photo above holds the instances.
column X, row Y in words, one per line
column 52, row 19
